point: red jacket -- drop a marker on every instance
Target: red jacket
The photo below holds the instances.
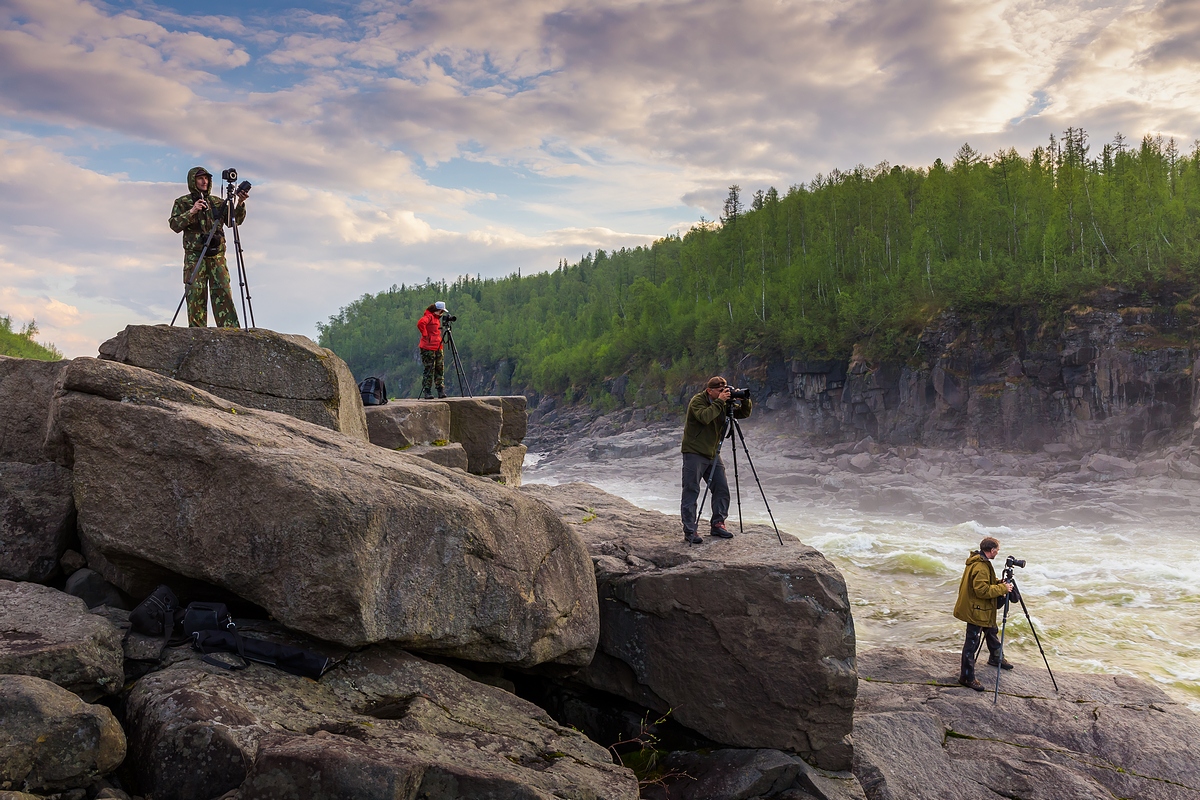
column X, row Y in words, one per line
column 431, row 331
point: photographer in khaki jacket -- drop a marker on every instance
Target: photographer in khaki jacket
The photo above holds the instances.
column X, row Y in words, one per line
column 976, row 606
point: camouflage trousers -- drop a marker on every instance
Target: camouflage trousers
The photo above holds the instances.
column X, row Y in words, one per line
column 213, row 271
column 434, row 374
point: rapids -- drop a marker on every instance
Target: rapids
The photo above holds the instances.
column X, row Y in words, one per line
column 1115, row 592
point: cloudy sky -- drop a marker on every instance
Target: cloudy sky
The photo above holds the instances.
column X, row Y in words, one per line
column 389, row 142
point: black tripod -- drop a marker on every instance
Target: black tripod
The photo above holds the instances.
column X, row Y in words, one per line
column 1008, row 578
column 732, row 426
column 215, row 233
column 464, row 386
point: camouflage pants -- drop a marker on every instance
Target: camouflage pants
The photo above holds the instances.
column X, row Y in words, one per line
column 435, row 371
column 213, row 271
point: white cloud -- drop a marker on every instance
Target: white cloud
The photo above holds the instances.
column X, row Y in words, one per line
column 567, row 125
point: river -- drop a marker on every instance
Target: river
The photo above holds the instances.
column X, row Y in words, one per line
column 1105, row 596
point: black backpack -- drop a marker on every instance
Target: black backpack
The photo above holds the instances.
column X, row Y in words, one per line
column 373, row 391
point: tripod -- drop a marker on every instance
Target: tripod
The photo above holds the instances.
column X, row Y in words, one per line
column 464, row 386
column 731, row 427
column 1008, row 578
column 230, row 219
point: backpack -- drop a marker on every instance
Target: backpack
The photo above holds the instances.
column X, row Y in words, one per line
column 373, row 391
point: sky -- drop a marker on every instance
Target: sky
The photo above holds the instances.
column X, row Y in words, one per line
column 394, row 142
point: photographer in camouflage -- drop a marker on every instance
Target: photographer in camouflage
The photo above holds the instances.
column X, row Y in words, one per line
column 194, row 215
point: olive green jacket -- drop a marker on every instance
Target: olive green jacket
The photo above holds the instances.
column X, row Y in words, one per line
column 705, row 422
column 977, row 592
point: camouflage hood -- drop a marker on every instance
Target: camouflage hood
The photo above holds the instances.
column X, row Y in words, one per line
column 192, row 173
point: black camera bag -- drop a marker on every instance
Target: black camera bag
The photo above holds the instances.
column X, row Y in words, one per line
column 157, row 615
column 294, row 660
column 206, row 617
column 373, row 391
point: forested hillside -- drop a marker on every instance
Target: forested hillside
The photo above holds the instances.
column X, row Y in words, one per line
column 865, row 256
column 21, row 344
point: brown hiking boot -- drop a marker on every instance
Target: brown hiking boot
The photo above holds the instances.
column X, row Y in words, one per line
column 973, row 684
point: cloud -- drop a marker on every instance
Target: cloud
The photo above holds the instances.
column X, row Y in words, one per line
column 430, row 138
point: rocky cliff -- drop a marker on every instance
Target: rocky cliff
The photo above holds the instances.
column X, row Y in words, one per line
column 1112, row 374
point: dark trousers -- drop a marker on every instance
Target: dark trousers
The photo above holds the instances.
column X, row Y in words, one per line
column 695, row 469
column 971, row 649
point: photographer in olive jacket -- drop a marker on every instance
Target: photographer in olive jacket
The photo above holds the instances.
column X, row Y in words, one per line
column 977, row 595
column 702, row 431
column 194, row 215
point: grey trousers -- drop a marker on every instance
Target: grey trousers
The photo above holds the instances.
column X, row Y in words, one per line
column 695, row 469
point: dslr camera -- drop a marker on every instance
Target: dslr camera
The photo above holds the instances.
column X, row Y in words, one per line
column 739, row 394
column 449, row 318
column 1012, row 561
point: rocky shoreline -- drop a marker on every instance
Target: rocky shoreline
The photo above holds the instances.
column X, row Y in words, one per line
column 485, row 641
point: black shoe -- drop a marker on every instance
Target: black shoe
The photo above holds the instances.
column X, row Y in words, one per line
column 719, row 531
column 973, row 684
column 692, row 538
column 441, row 394
column 991, row 663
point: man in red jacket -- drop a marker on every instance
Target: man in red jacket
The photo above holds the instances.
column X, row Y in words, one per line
column 430, row 326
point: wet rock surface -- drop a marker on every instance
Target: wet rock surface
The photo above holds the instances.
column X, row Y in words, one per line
column 706, row 632
column 50, row 635
column 337, row 538
column 919, row 735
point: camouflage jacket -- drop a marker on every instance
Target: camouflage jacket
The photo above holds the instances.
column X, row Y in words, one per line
column 195, row 228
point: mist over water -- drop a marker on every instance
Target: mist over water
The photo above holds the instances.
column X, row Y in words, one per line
column 1118, row 598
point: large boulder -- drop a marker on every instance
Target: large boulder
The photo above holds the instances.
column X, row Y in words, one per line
column 403, row 423
column 746, row 641
column 37, row 519
column 51, row 740
column 336, row 538
column 26, row 391
column 381, row 720
column 256, row 368
column 918, row 734
column 51, row 635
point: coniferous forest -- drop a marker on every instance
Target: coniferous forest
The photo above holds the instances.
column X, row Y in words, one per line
column 867, row 256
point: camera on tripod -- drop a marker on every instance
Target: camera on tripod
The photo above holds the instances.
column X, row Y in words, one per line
column 1012, row 561
column 229, row 175
column 739, row 394
column 449, row 318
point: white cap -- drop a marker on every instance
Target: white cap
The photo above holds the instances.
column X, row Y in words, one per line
column 439, row 305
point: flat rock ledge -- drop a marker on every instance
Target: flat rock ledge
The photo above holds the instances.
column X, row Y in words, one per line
column 745, row 641
column 918, row 734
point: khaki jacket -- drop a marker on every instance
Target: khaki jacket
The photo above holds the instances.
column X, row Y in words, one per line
column 705, row 422
column 977, row 593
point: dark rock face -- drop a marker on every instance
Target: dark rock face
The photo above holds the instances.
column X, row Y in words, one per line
column 26, row 391
column 750, row 775
column 917, row 734
column 51, row 635
column 747, row 642
column 382, row 724
column 1101, row 377
column 37, row 519
column 337, row 538
column 256, row 368
column 51, row 740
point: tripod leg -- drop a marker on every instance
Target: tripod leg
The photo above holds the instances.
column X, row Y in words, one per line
column 243, row 282
column 754, row 472
column 1000, row 657
column 1035, row 638
column 737, row 486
